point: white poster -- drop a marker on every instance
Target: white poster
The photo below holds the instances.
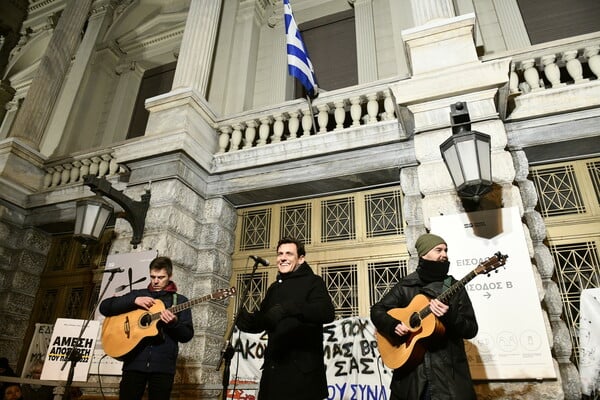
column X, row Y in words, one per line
column 66, row 336
column 512, row 342
column 134, row 276
column 37, row 350
column 354, row 367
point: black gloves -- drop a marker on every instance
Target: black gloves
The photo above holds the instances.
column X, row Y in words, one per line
column 244, row 320
column 275, row 314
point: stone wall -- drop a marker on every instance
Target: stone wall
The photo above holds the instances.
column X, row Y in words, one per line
column 23, row 254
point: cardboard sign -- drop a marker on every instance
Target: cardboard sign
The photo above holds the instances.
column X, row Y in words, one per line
column 66, row 336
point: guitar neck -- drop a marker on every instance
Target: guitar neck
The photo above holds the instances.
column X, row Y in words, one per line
column 458, row 285
column 184, row 306
column 448, row 293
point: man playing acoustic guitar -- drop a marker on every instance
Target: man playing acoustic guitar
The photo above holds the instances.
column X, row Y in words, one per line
column 437, row 367
column 152, row 362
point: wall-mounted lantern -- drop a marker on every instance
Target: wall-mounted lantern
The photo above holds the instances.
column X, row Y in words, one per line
column 467, row 155
column 93, row 214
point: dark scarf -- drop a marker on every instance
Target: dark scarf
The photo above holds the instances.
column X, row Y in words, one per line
column 171, row 287
column 302, row 270
column 432, row 271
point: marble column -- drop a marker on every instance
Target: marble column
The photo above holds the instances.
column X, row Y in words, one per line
column 6, row 95
column 365, row 41
column 240, row 84
column 425, row 11
column 279, row 67
column 33, row 117
column 57, row 132
column 197, row 45
column 512, row 25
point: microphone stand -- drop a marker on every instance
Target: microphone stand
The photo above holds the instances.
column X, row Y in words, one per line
column 227, row 352
column 74, row 355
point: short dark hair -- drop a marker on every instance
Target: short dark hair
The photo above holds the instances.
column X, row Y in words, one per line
column 299, row 245
column 160, row 263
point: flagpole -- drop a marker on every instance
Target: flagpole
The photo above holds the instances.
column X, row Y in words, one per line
column 312, row 116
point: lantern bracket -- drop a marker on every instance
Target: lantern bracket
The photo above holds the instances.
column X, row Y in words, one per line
column 133, row 211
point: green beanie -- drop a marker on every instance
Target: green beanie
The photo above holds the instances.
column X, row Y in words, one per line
column 427, row 242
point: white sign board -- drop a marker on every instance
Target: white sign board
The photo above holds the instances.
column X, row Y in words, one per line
column 512, row 342
column 354, row 367
column 37, row 350
column 66, row 336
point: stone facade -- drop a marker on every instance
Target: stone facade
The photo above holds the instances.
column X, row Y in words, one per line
column 206, row 153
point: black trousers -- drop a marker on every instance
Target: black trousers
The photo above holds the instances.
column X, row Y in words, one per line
column 133, row 384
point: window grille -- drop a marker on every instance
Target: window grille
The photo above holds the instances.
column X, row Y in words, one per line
column 577, row 268
column 296, row 222
column 46, row 311
column 338, row 221
column 384, row 215
column 558, row 191
column 257, row 287
column 594, row 171
column 383, row 276
column 342, row 285
column 74, row 303
column 256, row 230
column 62, row 251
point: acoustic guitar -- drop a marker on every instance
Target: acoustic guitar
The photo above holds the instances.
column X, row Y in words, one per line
column 408, row 351
column 121, row 333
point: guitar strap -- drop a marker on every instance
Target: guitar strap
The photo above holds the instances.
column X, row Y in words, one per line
column 175, row 298
column 447, row 283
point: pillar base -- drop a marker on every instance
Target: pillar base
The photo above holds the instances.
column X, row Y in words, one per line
column 452, row 37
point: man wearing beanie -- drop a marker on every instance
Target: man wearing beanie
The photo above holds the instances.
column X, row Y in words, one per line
column 442, row 373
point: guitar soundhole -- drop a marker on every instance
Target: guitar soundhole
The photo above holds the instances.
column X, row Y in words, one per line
column 146, row 320
column 415, row 320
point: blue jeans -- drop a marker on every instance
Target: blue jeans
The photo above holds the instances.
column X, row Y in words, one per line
column 133, row 384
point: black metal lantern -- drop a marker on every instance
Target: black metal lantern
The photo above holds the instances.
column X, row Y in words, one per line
column 93, row 214
column 91, row 217
column 467, row 155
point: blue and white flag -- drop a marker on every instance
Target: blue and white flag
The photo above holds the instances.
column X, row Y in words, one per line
column 299, row 65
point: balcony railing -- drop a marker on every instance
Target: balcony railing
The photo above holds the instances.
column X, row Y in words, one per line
column 553, row 65
column 72, row 169
column 331, row 111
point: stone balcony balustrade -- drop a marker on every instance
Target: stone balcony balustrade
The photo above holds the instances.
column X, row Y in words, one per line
column 555, row 77
column 61, row 172
column 331, row 111
column 556, row 66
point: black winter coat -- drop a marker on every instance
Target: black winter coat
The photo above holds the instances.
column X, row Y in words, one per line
column 158, row 353
column 445, row 364
column 293, row 312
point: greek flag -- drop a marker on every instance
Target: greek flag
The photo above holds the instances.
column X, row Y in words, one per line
column 299, row 65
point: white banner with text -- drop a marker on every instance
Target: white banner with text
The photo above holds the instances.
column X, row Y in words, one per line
column 354, row 368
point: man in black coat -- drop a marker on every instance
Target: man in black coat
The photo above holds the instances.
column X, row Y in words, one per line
column 292, row 313
column 443, row 373
column 152, row 362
